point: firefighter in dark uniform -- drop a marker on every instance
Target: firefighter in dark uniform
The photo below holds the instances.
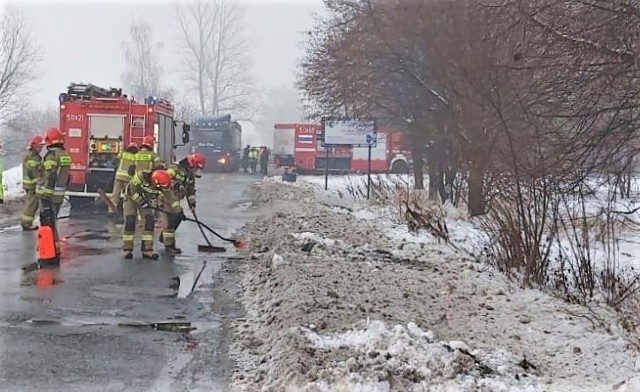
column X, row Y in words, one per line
column 31, row 178
column 126, row 159
column 145, row 187
column 183, row 177
column 56, row 166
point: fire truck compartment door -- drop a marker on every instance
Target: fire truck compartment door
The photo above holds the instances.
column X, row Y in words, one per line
column 106, row 126
column 379, row 152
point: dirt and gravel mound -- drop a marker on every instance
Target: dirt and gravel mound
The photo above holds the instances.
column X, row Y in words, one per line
column 335, row 304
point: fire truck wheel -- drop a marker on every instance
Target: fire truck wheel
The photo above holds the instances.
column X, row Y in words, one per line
column 400, row 167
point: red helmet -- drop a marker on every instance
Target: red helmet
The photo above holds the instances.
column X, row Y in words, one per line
column 147, row 141
column 36, row 142
column 133, row 145
column 196, row 161
column 53, row 136
column 161, row 179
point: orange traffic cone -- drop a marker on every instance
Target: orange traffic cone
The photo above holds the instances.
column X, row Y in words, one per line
column 46, row 246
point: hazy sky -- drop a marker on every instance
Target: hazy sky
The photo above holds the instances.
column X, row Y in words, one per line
column 81, row 41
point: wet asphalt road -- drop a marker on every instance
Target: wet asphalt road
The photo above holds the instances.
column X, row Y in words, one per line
column 71, row 335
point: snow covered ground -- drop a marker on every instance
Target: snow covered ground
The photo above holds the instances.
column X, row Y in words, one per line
column 341, row 297
column 12, row 182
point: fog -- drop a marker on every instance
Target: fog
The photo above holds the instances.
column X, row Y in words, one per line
column 82, row 41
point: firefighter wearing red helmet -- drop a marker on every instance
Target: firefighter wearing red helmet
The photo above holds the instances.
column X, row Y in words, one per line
column 124, row 161
column 56, row 166
column 146, row 158
column 145, row 188
column 31, row 178
column 183, row 177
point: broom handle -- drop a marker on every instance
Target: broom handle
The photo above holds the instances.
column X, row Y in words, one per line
column 200, row 227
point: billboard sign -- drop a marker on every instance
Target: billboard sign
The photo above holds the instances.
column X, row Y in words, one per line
column 356, row 133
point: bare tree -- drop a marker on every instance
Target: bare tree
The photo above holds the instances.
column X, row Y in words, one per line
column 216, row 61
column 21, row 126
column 19, row 58
column 142, row 73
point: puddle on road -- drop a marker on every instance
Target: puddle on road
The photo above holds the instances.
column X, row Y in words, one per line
column 190, row 271
column 115, row 292
column 41, row 278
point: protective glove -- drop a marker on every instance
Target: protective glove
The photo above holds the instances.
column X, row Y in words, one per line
column 145, row 204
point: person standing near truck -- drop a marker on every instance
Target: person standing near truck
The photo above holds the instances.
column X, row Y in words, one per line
column 56, row 166
column 264, row 161
column 253, row 160
column 245, row 158
column 31, row 178
column 126, row 159
column 57, row 169
column 146, row 158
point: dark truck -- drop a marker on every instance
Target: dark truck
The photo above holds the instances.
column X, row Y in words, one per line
column 219, row 140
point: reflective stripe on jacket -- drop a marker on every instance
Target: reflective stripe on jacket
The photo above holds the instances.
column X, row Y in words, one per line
column 140, row 189
column 57, row 168
column 147, row 160
column 184, row 183
column 31, row 170
column 126, row 159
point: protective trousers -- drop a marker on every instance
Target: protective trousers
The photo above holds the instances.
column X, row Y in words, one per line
column 131, row 211
column 170, row 223
column 49, row 208
column 31, row 203
column 118, row 187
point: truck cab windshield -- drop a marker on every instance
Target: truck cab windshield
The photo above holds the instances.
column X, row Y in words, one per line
column 214, row 137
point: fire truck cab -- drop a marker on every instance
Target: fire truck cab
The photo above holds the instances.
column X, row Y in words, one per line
column 98, row 123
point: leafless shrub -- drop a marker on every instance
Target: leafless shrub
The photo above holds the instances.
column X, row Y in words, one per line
column 409, row 206
column 551, row 237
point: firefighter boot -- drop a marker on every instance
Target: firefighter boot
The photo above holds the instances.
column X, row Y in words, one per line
column 150, row 255
column 128, row 254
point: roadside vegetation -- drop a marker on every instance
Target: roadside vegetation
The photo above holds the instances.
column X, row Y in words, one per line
column 525, row 114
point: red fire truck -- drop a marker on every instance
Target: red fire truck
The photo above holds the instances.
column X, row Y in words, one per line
column 299, row 145
column 98, row 123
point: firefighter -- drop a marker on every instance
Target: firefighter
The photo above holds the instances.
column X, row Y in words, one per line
column 56, row 167
column 245, row 158
column 253, row 159
column 146, row 158
column 264, row 161
column 126, row 159
column 145, row 187
column 31, row 177
column 183, row 177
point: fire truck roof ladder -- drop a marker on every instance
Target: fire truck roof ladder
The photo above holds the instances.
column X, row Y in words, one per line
column 136, row 122
column 87, row 91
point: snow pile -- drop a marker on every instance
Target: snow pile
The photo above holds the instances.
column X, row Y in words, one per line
column 378, row 353
column 12, row 182
column 339, row 299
